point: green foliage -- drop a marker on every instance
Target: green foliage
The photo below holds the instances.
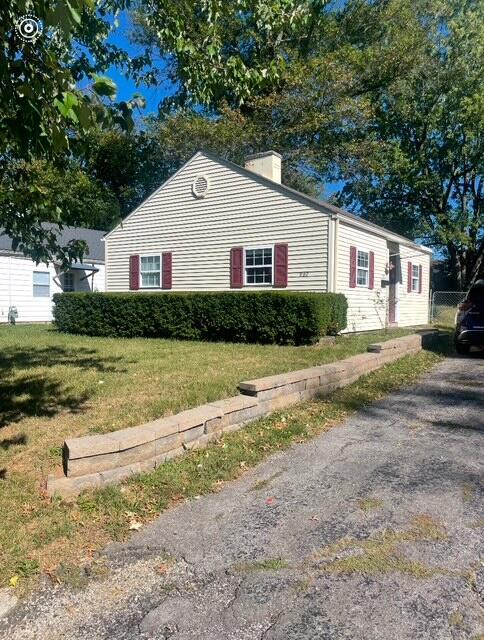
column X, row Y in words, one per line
column 347, row 94
column 129, row 165
column 416, row 164
column 52, row 94
column 227, row 51
column 66, row 195
column 256, row 317
column 177, row 136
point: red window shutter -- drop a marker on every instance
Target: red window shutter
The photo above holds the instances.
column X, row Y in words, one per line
column 352, row 267
column 371, row 283
column 280, row 265
column 236, row 267
column 420, row 279
column 409, row 277
column 166, row 270
column 134, row 273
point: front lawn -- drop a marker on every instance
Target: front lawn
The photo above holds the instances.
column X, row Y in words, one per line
column 54, row 386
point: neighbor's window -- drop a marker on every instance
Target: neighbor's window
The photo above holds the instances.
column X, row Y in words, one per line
column 68, row 281
column 150, row 269
column 41, row 282
column 415, row 277
column 363, row 272
column 258, row 266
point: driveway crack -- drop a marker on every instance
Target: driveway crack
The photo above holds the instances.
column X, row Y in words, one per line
column 275, row 620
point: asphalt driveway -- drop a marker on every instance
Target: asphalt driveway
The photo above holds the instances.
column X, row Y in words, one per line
column 373, row 531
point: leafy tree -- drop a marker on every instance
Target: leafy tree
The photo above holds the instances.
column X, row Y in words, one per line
column 221, row 51
column 128, row 164
column 78, row 198
column 52, row 92
column 231, row 134
column 416, row 164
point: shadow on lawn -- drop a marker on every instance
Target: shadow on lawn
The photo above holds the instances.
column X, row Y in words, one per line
column 14, row 358
column 34, row 394
column 16, row 441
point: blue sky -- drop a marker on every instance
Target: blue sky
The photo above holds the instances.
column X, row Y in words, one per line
column 126, row 86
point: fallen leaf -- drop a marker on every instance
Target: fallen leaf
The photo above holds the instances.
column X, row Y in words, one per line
column 270, row 500
column 13, row 581
column 162, row 568
column 135, row 526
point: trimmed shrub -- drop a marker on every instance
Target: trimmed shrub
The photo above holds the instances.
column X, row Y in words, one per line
column 265, row 317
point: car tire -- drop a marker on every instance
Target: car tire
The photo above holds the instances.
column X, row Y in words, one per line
column 462, row 349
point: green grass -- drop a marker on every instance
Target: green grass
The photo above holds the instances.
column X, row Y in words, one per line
column 268, row 564
column 381, row 553
column 55, row 386
column 369, row 504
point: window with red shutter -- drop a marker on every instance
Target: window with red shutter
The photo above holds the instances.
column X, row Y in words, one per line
column 166, row 269
column 236, row 268
column 280, row 265
column 352, row 267
column 409, row 277
column 371, row 283
column 134, row 272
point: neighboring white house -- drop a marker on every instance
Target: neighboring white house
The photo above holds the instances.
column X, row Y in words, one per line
column 215, row 226
column 26, row 288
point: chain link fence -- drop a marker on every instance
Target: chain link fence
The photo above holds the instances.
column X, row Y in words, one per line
column 444, row 306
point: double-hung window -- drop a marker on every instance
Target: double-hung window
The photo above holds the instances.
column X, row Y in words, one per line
column 41, row 284
column 415, row 277
column 258, row 266
column 150, row 272
column 363, row 268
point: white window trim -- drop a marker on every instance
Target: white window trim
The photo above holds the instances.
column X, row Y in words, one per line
column 260, row 284
column 415, row 278
column 47, row 286
column 367, row 269
column 150, row 255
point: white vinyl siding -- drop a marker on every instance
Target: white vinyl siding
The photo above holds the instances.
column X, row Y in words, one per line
column 238, row 211
column 17, row 287
column 413, row 307
column 367, row 308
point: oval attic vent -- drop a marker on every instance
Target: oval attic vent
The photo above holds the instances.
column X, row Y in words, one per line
column 200, row 186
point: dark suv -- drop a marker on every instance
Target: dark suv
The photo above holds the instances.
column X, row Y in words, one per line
column 469, row 321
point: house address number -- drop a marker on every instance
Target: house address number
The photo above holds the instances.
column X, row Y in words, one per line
column 304, row 274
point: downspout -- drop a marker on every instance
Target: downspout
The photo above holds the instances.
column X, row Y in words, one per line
column 330, row 265
column 335, row 254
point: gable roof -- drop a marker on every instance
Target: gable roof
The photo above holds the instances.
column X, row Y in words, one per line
column 92, row 237
column 321, row 205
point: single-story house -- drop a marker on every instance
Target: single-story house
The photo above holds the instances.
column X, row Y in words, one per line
column 26, row 288
column 216, row 226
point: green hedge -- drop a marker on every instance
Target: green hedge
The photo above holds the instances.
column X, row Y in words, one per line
column 265, row 317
